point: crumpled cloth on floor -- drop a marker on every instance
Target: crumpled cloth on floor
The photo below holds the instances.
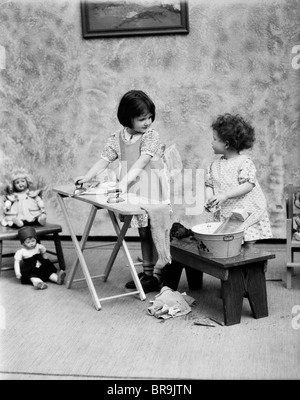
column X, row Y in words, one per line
column 170, row 304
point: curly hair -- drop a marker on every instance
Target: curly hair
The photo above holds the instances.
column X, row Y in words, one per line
column 235, row 130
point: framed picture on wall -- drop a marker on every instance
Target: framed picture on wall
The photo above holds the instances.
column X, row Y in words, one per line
column 102, row 19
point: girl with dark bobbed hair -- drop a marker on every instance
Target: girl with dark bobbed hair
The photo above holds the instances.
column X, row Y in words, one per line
column 133, row 104
column 143, row 172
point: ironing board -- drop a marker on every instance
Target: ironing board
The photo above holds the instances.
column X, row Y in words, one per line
column 99, row 202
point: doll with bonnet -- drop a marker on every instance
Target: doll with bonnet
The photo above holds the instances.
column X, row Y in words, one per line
column 21, row 205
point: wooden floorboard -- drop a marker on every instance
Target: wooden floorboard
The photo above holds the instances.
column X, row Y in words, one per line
column 58, row 334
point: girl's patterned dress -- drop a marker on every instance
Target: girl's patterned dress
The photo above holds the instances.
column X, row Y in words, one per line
column 223, row 175
column 152, row 182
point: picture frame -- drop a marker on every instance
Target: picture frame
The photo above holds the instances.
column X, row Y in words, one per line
column 115, row 18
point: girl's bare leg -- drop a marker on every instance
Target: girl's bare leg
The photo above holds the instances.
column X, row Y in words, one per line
column 148, row 281
column 147, row 250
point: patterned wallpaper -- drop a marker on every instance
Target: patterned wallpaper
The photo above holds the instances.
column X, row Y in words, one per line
column 59, row 93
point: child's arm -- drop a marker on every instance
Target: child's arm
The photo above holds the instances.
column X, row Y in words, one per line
column 209, row 188
column 97, row 168
column 17, row 269
column 42, row 251
column 209, row 192
column 134, row 171
column 7, row 205
column 41, row 204
column 238, row 191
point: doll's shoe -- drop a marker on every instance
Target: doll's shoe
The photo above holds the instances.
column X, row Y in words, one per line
column 61, row 277
column 40, row 285
column 18, row 222
column 297, row 235
column 42, row 219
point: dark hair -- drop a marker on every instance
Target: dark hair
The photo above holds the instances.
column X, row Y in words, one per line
column 26, row 232
column 235, row 130
column 133, row 104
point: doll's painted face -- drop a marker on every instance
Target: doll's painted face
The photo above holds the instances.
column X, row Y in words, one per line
column 30, row 243
column 20, row 184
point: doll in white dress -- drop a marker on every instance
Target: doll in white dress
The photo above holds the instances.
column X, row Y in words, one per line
column 21, row 205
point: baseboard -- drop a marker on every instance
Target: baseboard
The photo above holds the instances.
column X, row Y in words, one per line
column 137, row 239
column 101, row 238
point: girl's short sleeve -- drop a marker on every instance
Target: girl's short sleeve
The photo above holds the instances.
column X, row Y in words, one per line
column 150, row 143
column 18, row 255
column 247, row 172
column 110, row 151
column 208, row 177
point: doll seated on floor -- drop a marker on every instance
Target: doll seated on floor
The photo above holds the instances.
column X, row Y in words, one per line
column 21, row 205
column 32, row 265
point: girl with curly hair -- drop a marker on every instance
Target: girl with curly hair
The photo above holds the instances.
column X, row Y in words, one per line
column 231, row 179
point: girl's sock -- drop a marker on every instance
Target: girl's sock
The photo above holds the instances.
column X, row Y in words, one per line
column 148, row 269
column 157, row 275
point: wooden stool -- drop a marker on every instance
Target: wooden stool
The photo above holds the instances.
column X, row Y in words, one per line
column 241, row 276
column 7, row 233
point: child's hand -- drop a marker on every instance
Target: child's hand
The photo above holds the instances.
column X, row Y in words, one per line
column 210, row 208
column 80, row 179
column 123, row 188
column 217, row 200
column 6, row 208
column 18, row 275
column 209, row 203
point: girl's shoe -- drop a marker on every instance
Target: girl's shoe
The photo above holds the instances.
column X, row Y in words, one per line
column 131, row 284
column 149, row 283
